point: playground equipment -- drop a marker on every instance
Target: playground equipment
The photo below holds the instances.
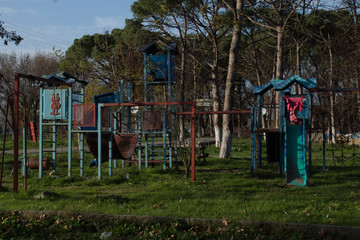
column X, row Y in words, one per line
column 286, row 144
column 56, row 104
column 108, row 123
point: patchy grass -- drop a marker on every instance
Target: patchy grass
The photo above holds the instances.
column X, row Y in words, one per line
column 224, row 188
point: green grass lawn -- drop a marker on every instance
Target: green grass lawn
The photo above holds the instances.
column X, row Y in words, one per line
column 224, row 188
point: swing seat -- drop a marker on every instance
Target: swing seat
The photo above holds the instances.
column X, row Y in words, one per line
column 123, row 145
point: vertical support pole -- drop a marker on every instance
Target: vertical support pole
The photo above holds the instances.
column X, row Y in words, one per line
column 70, row 107
column 41, row 130
column 310, row 98
column 129, row 108
column 16, row 130
column 253, row 143
column 164, row 139
column 115, row 128
column 139, row 140
column 23, row 162
column 122, row 99
column 82, row 137
column 258, row 126
column 175, row 133
column 193, row 136
column 54, row 146
column 145, row 77
column 169, row 77
column 99, row 159
column 111, row 132
column 282, row 134
column 324, row 150
column 122, row 107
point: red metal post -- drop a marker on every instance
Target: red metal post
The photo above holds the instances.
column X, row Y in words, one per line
column 193, row 122
column 16, row 130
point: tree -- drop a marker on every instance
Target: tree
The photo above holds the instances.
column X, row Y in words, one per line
column 237, row 11
column 9, row 36
column 38, row 64
column 274, row 15
column 105, row 59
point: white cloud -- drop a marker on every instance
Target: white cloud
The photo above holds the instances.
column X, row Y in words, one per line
column 29, row 11
column 109, row 22
column 7, row 11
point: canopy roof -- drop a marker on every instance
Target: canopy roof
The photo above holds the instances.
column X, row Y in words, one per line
column 158, row 46
column 283, row 85
column 65, row 77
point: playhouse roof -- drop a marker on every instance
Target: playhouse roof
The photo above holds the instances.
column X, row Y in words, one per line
column 283, row 85
column 66, row 77
column 158, row 46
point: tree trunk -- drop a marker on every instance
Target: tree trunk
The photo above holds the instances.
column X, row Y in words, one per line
column 225, row 150
column 332, row 97
column 216, row 104
column 278, row 71
column 182, row 97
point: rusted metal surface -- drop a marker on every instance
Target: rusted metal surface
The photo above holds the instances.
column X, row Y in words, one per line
column 124, row 145
column 151, row 120
column 34, row 163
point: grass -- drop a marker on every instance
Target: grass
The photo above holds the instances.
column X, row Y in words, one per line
column 224, row 188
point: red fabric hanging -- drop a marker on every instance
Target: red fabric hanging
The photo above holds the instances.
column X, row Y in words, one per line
column 293, row 105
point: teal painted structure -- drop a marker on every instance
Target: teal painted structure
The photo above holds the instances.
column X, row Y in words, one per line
column 292, row 156
column 61, row 116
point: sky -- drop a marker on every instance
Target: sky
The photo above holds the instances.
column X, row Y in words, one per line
column 45, row 24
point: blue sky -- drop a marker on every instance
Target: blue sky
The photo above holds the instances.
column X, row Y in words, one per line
column 45, row 24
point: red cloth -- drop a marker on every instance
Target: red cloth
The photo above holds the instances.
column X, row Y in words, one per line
column 294, row 104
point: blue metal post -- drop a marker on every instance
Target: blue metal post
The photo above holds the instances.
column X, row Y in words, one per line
column 282, row 134
column 99, row 132
column 41, row 140
column 258, row 126
column 129, row 108
column 139, row 148
column 54, row 146
column 122, row 99
column 324, row 150
column 115, row 128
column 164, row 139
column 253, row 143
column 70, row 133
column 310, row 101
column 111, row 132
column 82, row 137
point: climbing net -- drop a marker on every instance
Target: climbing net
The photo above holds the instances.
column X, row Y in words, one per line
column 341, row 125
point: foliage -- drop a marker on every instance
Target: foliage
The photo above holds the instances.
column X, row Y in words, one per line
column 9, row 36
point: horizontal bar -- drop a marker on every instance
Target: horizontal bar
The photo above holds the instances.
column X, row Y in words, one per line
column 54, row 124
column 335, row 89
column 215, row 112
column 145, row 104
column 85, row 131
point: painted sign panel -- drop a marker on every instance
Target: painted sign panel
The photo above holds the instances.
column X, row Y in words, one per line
column 55, row 104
